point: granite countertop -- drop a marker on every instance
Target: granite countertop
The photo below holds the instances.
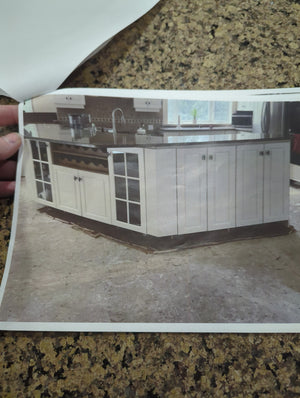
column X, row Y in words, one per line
column 199, row 45
column 167, row 137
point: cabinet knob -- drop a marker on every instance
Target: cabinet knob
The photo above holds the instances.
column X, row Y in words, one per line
column 267, row 152
column 75, row 178
column 261, row 153
column 203, row 157
column 79, row 179
column 211, row 157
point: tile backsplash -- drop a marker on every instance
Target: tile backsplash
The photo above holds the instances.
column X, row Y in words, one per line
column 100, row 109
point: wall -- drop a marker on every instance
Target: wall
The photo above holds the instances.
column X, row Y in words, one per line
column 100, row 109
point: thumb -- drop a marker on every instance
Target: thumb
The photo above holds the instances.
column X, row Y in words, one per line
column 9, row 145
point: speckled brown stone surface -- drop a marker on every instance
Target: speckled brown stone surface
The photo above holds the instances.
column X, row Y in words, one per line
column 177, row 45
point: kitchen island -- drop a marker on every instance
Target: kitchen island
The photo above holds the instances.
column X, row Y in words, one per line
column 163, row 186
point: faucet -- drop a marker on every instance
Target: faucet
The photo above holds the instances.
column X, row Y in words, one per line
column 113, row 115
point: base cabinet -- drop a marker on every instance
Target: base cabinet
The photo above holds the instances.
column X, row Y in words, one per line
column 276, row 182
column 83, row 193
column 41, row 172
column 127, row 184
column 168, row 190
column 192, row 190
column 221, row 187
column 262, row 193
column 249, row 184
column 161, row 191
column 206, row 188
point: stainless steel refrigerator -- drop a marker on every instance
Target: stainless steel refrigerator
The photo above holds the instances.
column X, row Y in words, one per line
column 282, row 119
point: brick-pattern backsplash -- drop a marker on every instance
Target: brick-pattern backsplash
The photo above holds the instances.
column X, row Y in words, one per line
column 100, row 109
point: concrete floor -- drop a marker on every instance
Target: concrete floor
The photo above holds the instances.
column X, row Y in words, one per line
column 62, row 274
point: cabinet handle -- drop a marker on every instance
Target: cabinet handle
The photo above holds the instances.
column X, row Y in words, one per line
column 261, row 153
column 75, row 178
column 267, row 152
column 211, row 157
column 79, row 179
column 203, row 157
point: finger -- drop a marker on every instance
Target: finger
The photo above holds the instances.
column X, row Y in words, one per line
column 8, row 115
column 9, row 145
column 8, row 170
column 7, row 188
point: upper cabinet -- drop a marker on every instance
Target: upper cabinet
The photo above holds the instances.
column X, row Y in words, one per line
column 147, row 105
column 70, row 101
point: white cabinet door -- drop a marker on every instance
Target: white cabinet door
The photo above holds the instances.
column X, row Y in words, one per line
column 67, row 189
column 70, row 101
column 249, row 184
column 127, row 185
column 95, row 196
column 192, row 189
column 276, row 181
column 221, row 187
column 41, row 173
column 83, row 193
column 161, row 191
column 147, row 104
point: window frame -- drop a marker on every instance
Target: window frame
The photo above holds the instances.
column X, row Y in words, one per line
column 210, row 121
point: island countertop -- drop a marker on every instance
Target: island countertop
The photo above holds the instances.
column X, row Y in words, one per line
column 89, row 138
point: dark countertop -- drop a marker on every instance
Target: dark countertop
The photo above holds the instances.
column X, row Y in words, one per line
column 167, row 137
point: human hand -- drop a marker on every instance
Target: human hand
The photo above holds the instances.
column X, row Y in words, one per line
column 9, row 145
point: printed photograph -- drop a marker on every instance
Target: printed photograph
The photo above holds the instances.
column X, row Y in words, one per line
column 137, row 210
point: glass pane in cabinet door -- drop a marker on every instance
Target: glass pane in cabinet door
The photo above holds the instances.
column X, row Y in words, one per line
column 121, row 210
column 43, row 151
column 46, row 172
column 37, row 170
column 133, row 190
column 40, row 190
column 119, row 164
column 34, row 149
column 48, row 192
column 132, row 161
column 120, row 187
column 134, row 214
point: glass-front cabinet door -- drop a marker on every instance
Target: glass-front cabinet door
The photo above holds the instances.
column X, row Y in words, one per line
column 126, row 171
column 41, row 171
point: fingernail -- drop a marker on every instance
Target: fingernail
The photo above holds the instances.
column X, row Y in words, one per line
column 12, row 138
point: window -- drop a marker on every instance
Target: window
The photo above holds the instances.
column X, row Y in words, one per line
column 199, row 112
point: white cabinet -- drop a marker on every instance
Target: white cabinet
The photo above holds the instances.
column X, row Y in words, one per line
column 70, row 101
column 83, row 193
column 127, row 184
column 249, row 184
column 206, row 188
column 161, row 191
column 147, row 104
column 192, row 189
column 221, row 187
column 41, row 172
column 276, row 182
column 168, row 190
column 67, row 189
column 262, row 193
